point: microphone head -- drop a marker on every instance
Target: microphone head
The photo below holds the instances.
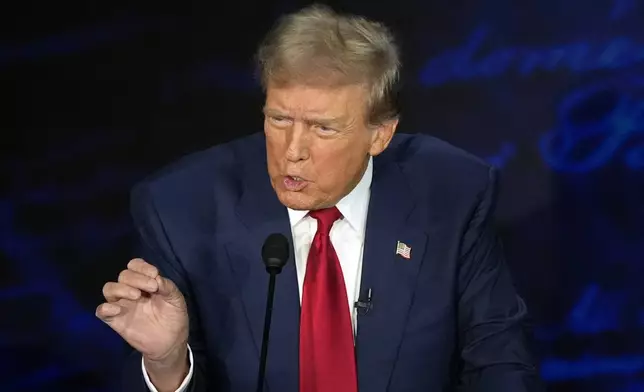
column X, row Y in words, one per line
column 275, row 252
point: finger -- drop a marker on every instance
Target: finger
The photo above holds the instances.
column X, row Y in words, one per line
column 138, row 281
column 143, row 267
column 106, row 311
column 113, row 292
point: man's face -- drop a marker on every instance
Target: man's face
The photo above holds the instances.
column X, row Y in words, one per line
column 318, row 142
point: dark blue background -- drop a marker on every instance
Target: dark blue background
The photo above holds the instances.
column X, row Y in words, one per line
column 98, row 94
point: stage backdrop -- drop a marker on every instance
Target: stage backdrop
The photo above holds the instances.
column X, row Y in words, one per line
column 550, row 91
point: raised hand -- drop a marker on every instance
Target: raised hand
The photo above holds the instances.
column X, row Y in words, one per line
column 148, row 311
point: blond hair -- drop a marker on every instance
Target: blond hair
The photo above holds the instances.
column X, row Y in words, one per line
column 317, row 46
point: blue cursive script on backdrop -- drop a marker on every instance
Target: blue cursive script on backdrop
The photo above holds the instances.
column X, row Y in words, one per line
column 466, row 62
column 597, row 125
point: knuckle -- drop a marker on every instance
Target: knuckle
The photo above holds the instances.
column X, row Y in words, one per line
column 107, row 288
column 133, row 263
column 124, row 275
column 113, row 292
column 152, row 270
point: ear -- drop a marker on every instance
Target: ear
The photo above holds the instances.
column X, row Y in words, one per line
column 381, row 136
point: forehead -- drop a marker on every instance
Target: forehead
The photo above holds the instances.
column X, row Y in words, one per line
column 314, row 100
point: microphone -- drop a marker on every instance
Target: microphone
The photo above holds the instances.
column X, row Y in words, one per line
column 275, row 253
column 364, row 306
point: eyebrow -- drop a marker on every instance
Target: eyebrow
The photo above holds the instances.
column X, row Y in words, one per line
column 317, row 120
column 267, row 110
column 273, row 112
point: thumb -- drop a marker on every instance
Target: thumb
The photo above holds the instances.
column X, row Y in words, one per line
column 167, row 288
column 112, row 315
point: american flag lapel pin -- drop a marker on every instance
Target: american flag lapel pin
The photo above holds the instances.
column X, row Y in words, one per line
column 404, row 250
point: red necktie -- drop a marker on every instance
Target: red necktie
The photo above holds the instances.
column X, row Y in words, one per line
column 327, row 356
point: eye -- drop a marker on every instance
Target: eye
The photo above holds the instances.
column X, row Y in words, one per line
column 324, row 129
column 279, row 120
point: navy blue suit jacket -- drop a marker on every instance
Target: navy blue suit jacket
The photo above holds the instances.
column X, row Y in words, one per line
column 448, row 319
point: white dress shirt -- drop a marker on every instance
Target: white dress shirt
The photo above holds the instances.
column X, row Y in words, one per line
column 347, row 237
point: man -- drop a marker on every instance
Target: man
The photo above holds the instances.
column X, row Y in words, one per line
column 401, row 224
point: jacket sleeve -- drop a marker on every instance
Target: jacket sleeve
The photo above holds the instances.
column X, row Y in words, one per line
column 493, row 340
column 156, row 249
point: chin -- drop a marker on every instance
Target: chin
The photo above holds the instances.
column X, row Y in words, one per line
column 296, row 201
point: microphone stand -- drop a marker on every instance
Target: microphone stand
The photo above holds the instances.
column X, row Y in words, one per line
column 267, row 323
column 275, row 252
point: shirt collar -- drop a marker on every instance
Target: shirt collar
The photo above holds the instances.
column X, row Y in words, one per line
column 353, row 206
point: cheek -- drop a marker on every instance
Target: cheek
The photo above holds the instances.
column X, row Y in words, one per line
column 332, row 168
column 273, row 152
column 273, row 143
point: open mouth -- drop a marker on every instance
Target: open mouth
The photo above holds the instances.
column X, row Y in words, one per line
column 294, row 183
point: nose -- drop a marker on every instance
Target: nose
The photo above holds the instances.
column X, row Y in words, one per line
column 298, row 143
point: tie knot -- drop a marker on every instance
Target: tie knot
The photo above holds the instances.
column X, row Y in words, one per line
column 326, row 217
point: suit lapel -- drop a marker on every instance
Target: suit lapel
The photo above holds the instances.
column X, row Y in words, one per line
column 390, row 276
column 262, row 214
